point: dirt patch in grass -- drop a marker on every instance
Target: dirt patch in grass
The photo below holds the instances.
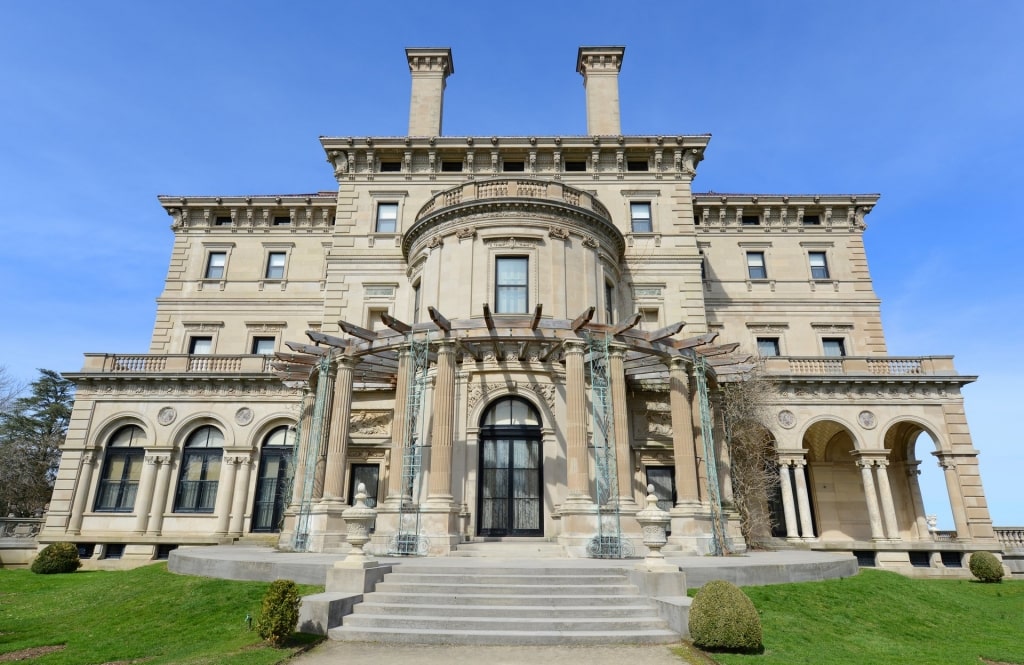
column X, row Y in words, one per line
column 29, row 654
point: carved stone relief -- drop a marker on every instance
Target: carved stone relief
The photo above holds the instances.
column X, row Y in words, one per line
column 371, row 423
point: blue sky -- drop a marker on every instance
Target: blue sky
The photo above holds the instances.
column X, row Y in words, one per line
column 104, row 105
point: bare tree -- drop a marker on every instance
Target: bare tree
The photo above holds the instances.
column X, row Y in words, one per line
column 10, row 388
column 755, row 476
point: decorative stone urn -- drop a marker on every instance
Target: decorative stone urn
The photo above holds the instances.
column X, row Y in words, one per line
column 358, row 520
column 654, row 522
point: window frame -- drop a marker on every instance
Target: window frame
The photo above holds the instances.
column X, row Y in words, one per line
column 124, row 488
column 635, row 219
column 838, row 342
column 762, row 267
column 192, row 343
column 255, row 343
column 501, row 288
column 271, row 269
column 210, row 268
column 776, row 347
column 378, row 218
column 819, row 272
column 204, row 499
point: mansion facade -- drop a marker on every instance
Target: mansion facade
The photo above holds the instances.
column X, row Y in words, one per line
column 512, row 337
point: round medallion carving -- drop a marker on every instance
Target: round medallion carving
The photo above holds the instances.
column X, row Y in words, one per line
column 867, row 420
column 166, row 415
column 244, row 416
column 787, row 419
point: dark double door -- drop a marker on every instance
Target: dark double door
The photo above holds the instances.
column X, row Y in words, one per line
column 272, row 489
column 511, row 484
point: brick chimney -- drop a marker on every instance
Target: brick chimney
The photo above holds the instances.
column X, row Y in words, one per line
column 430, row 68
column 599, row 66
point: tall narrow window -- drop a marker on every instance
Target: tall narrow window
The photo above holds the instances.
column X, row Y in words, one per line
column 416, row 302
column 275, row 265
column 640, row 216
column 510, row 290
column 200, row 471
column 833, row 346
column 122, row 468
column 767, row 346
column 387, row 217
column 609, row 303
column 215, row 263
column 819, row 265
column 755, row 266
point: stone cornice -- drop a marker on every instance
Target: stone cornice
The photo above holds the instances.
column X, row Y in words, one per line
column 482, row 143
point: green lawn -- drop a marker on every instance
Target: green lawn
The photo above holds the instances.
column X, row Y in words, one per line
column 882, row 617
column 143, row 614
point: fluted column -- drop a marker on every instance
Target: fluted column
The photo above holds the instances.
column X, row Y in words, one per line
column 920, row 519
column 144, row 493
column 163, row 486
column 885, row 496
column 302, row 450
column 956, row 495
column 724, row 459
column 323, row 433
column 239, row 505
column 786, row 485
column 699, row 450
column 337, row 440
column 803, row 499
column 682, row 435
column 82, row 492
column 620, row 414
column 398, row 430
column 871, row 498
column 576, row 407
column 442, row 430
column 225, row 493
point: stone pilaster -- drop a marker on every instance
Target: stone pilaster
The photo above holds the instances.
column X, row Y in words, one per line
column 920, row 519
column 871, row 499
column 241, row 495
column 82, row 493
column 885, row 496
column 144, row 493
column 163, row 486
column 576, row 408
column 225, row 493
column 956, row 497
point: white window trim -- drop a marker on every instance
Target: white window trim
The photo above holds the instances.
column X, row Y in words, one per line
column 276, row 248
column 651, row 196
column 214, row 248
column 377, row 197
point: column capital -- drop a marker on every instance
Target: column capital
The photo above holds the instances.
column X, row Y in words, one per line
column 346, row 360
column 574, row 345
column 158, row 458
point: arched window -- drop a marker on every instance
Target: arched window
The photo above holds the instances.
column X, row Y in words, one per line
column 510, row 495
column 273, row 485
column 122, row 466
column 200, row 471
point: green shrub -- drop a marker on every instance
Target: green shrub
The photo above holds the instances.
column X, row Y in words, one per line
column 279, row 612
column 57, row 558
column 986, row 567
column 722, row 618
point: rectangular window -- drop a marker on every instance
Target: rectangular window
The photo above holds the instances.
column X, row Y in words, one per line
column 812, row 220
column 750, row 220
column 513, row 167
column 649, row 318
column 369, row 476
column 200, row 346
column 636, row 165
column 282, row 220
column 390, row 167
column 834, row 346
column 387, row 217
column 755, row 266
column 575, row 166
column 373, row 318
column 767, row 346
column 416, row 303
column 263, row 346
column 819, row 266
column 215, row 263
column 640, row 216
column 451, row 167
column 275, row 265
column 222, row 220
column 609, row 303
column 510, row 290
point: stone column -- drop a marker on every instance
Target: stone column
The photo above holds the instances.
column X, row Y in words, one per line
column 576, row 408
column 803, row 499
column 337, row 440
column 82, row 492
column 699, row 449
column 238, row 507
column 917, row 500
column 956, row 496
column 398, row 431
column 620, row 414
column 302, row 450
column 871, row 498
column 722, row 451
column 144, row 494
column 885, row 495
column 322, row 435
column 442, row 430
column 163, row 486
column 682, row 435
column 786, row 485
column 225, row 493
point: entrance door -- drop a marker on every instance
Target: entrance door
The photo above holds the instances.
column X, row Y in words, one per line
column 272, row 485
column 510, row 495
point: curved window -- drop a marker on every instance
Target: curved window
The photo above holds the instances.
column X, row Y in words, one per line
column 122, row 466
column 273, row 485
column 511, row 411
column 510, row 494
column 200, row 471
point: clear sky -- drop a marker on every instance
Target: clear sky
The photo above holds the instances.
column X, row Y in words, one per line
column 104, row 105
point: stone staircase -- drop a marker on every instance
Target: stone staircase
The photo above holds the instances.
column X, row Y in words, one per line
column 505, row 604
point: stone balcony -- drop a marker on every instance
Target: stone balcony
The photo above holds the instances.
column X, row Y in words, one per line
column 138, row 364
column 513, row 188
column 859, row 366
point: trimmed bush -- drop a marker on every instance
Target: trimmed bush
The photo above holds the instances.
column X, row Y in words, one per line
column 986, row 567
column 722, row 618
column 279, row 612
column 57, row 558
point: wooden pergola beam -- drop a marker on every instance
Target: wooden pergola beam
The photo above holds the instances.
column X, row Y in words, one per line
column 628, row 324
column 523, row 348
column 329, row 340
column 471, row 349
column 299, row 347
column 536, row 316
column 395, row 324
column 719, row 350
column 439, row 320
column 357, row 331
column 664, row 333
column 583, row 319
column 552, row 350
column 691, row 342
column 296, row 358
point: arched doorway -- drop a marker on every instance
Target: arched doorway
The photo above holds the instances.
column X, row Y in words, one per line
column 510, row 495
column 272, row 486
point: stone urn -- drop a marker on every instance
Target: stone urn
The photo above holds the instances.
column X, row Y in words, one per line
column 654, row 522
column 358, row 520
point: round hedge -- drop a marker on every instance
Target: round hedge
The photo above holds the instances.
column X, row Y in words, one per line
column 57, row 558
column 986, row 567
column 279, row 612
column 722, row 618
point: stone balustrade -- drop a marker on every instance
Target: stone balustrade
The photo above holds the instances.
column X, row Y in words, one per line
column 108, row 363
column 513, row 188
column 20, row 528
column 1011, row 538
column 860, row 365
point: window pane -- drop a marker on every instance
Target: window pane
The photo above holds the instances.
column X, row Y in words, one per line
column 755, row 265
column 640, row 216
column 263, row 346
column 215, row 265
column 833, row 347
column 819, row 266
column 275, row 265
column 387, row 217
column 199, row 346
column 511, row 290
column 767, row 346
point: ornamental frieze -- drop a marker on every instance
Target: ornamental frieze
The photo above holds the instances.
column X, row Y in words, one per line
column 370, row 423
column 171, row 389
column 857, row 392
column 479, row 391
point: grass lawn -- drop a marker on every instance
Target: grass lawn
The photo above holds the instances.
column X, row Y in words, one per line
column 882, row 617
column 147, row 615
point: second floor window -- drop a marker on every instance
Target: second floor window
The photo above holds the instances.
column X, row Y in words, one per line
column 200, row 346
column 819, row 265
column 755, row 266
column 215, row 263
column 275, row 265
column 263, row 346
column 387, row 217
column 767, row 346
column 834, row 346
column 511, row 283
column 640, row 216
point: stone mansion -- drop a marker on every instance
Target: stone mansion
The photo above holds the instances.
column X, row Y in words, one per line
column 511, row 337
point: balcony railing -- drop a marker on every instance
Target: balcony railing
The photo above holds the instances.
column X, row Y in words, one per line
column 513, row 188
column 1010, row 537
column 859, row 365
column 20, row 527
column 108, row 363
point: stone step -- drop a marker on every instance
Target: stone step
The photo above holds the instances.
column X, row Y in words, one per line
column 637, row 608
column 564, row 578
column 485, row 599
column 510, row 550
column 501, row 637
column 507, row 589
column 558, row 622
column 419, row 568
